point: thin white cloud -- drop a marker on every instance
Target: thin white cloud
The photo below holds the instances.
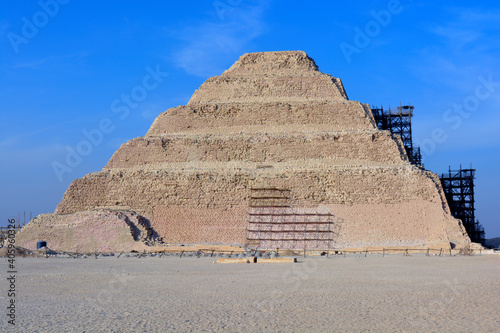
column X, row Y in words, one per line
column 116, row 143
column 471, row 15
column 49, row 61
column 42, row 155
column 4, row 27
column 31, row 64
column 8, row 142
column 151, row 112
column 209, row 45
column 467, row 29
column 23, row 136
column 458, row 36
column 465, row 47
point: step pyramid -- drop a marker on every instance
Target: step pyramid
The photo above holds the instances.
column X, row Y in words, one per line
column 272, row 121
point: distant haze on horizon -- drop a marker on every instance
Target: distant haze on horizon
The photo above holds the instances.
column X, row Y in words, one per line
column 78, row 80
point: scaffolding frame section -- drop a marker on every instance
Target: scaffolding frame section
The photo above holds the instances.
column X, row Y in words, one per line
column 398, row 122
column 458, row 186
column 272, row 223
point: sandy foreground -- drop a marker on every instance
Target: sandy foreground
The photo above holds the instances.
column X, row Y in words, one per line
column 353, row 294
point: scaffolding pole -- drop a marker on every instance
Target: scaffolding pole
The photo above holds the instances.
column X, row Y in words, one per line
column 272, row 223
column 458, row 186
column 398, row 122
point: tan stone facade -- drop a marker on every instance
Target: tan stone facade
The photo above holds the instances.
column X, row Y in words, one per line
column 273, row 120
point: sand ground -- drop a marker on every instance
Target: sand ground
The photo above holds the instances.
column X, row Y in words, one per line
column 336, row 294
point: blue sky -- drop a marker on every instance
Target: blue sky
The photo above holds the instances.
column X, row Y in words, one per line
column 67, row 65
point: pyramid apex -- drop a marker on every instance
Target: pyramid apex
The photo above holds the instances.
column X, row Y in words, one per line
column 273, row 62
column 282, row 76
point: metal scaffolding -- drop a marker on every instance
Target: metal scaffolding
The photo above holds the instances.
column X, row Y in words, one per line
column 272, row 223
column 458, row 186
column 399, row 122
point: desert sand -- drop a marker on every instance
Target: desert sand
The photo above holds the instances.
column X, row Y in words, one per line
column 337, row 294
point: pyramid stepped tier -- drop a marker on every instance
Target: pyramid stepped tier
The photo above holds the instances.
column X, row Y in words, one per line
column 222, row 185
column 264, row 117
column 209, row 201
column 277, row 63
column 374, row 146
column 271, row 122
column 245, row 89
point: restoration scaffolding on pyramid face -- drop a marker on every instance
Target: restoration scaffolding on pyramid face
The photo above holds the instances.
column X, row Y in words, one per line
column 272, row 121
